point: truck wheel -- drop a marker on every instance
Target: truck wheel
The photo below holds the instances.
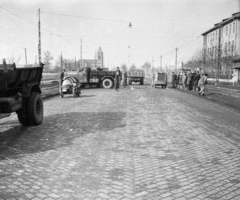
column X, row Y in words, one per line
column 22, row 113
column 130, row 82
column 35, row 109
column 107, row 83
column 141, row 82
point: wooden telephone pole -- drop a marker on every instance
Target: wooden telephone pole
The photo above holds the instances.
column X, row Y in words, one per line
column 39, row 39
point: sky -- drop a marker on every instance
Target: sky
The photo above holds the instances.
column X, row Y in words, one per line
column 158, row 28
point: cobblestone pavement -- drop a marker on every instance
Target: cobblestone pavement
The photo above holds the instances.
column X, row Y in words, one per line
column 139, row 143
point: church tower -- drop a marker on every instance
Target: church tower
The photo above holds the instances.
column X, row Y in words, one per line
column 100, row 58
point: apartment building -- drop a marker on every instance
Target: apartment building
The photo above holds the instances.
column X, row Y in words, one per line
column 223, row 41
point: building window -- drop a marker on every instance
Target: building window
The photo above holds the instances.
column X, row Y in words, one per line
column 216, row 34
column 222, row 33
column 228, row 46
column 233, row 27
column 225, row 49
column 226, row 30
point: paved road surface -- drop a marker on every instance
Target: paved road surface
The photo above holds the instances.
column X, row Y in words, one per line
column 139, row 143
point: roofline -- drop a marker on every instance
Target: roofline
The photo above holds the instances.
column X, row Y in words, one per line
column 224, row 21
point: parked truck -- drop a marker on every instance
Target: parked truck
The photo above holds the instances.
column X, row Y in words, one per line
column 20, row 92
column 135, row 76
column 98, row 78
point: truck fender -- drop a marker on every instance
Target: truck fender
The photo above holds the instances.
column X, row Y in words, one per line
column 28, row 88
column 107, row 77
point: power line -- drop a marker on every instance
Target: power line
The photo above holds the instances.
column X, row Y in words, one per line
column 89, row 18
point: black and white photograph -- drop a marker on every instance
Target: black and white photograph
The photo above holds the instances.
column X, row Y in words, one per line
column 119, row 99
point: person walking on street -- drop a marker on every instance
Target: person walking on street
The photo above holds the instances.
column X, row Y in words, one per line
column 118, row 78
column 188, row 80
column 174, row 79
column 184, row 80
column 153, row 77
column 62, row 75
column 192, row 80
column 124, row 79
column 195, row 80
column 178, row 80
column 201, row 83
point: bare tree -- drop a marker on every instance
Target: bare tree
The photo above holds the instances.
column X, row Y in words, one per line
column 47, row 60
column 13, row 59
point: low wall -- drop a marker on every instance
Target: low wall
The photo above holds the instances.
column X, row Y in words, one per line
column 223, row 91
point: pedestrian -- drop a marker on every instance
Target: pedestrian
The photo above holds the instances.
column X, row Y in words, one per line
column 201, row 83
column 87, row 73
column 178, row 80
column 153, row 78
column 61, row 77
column 192, row 80
column 174, row 79
column 124, row 79
column 195, row 80
column 184, row 80
column 188, row 80
column 118, row 78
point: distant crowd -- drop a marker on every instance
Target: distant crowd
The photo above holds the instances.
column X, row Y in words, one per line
column 190, row 80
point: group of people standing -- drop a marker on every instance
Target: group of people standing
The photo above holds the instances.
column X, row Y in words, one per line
column 188, row 80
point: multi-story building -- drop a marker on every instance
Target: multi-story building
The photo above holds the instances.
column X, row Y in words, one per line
column 221, row 44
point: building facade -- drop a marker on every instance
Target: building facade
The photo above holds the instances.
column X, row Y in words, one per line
column 221, row 45
column 98, row 62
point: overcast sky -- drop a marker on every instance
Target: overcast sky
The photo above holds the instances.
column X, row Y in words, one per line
column 158, row 27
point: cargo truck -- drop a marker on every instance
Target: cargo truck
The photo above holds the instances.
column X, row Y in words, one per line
column 136, row 76
column 20, row 92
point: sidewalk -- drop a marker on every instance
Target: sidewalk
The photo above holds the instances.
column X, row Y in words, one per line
column 219, row 97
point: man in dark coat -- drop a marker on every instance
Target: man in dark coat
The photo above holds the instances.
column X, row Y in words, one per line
column 61, row 77
column 118, row 77
column 196, row 79
column 86, row 73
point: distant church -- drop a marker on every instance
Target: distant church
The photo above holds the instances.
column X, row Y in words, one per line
column 95, row 63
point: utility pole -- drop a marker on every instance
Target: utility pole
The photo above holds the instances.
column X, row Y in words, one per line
column 176, row 59
column 39, row 39
column 161, row 63
column 75, row 64
column 81, row 65
column 61, row 62
column 26, row 56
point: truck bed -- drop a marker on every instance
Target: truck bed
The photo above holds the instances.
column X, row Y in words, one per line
column 12, row 77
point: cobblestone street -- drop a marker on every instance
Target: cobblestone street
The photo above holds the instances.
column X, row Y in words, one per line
column 139, row 143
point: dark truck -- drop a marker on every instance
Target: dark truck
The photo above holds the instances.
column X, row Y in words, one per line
column 135, row 76
column 20, row 92
column 98, row 78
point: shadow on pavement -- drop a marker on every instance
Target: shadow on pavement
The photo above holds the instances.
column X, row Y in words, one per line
column 56, row 131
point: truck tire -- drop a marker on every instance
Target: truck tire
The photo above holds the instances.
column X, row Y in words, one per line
column 107, row 83
column 141, row 82
column 35, row 109
column 130, row 82
column 22, row 113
